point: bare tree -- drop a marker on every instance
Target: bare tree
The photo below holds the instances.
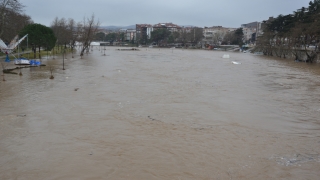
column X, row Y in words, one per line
column 3, row 66
column 72, row 34
column 87, row 30
column 15, row 22
column 51, row 69
column 196, row 35
column 218, row 37
column 228, row 38
column 5, row 7
column 60, row 29
column 185, row 37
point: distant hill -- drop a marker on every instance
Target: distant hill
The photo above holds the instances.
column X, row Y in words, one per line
column 118, row 27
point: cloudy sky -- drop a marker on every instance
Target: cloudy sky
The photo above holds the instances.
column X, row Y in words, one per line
column 227, row 13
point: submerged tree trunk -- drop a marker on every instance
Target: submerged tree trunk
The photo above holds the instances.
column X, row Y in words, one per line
column 34, row 52
column 39, row 52
column 87, row 30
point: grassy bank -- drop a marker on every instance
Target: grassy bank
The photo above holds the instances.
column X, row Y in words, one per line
column 29, row 54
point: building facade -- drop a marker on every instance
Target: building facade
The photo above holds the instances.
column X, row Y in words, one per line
column 214, row 35
column 143, row 33
column 251, row 31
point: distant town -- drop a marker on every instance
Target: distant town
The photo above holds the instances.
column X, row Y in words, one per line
column 285, row 36
column 180, row 35
column 293, row 35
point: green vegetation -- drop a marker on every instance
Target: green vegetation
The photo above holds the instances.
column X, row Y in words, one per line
column 109, row 37
column 234, row 37
column 160, row 35
column 39, row 36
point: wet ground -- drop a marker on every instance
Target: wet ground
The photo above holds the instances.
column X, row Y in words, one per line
column 161, row 114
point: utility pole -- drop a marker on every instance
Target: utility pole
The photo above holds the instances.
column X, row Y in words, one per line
column 194, row 34
column 257, row 31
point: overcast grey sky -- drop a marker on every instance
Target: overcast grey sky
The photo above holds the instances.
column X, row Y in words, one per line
column 227, row 13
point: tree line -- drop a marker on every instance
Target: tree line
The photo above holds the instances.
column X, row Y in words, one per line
column 12, row 19
column 62, row 33
column 110, row 37
column 69, row 32
column 233, row 37
column 293, row 35
column 163, row 36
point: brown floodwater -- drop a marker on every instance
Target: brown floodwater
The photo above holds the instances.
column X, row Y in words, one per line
column 161, row 114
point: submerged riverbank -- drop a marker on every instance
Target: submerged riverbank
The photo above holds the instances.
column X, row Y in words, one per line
column 161, row 114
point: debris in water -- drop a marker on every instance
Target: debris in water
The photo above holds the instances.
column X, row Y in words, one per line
column 151, row 118
column 235, row 62
column 297, row 159
column 76, row 89
column 226, row 56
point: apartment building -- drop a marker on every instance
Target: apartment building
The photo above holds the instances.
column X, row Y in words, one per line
column 251, row 31
column 170, row 26
column 215, row 34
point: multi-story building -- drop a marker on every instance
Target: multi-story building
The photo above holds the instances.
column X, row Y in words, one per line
column 130, row 35
column 143, row 32
column 171, row 27
column 215, row 34
column 251, row 31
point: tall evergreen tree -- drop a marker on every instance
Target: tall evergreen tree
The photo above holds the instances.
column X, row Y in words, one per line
column 39, row 36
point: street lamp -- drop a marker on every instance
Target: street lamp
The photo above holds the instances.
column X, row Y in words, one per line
column 47, row 51
column 63, row 59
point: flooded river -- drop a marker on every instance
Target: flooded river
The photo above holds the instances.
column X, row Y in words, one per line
column 161, row 114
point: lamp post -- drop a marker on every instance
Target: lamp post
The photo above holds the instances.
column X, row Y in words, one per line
column 72, row 50
column 40, row 42
column 33, row 49
column 63, row 59
column 47, row 51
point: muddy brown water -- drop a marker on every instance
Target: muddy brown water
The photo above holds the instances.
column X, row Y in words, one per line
column 161, row 114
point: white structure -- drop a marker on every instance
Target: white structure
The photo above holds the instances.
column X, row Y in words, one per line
column 130, row 34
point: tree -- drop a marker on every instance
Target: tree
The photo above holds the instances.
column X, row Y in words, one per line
column 87, row 29
column 228, row 38
column 174, row 36
column 7, row 6
column 293, row 33
column 39, row 36
column 234, row 37
column 160, row 35
column 100, row 36
column 196, row 35
column 185, row 37
column 111, row 37
column 61, row 31
column 17, row 22
column 121, row 37
column 218, row 37
column 238, row 37
column 3, row 66
column 73, row 34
